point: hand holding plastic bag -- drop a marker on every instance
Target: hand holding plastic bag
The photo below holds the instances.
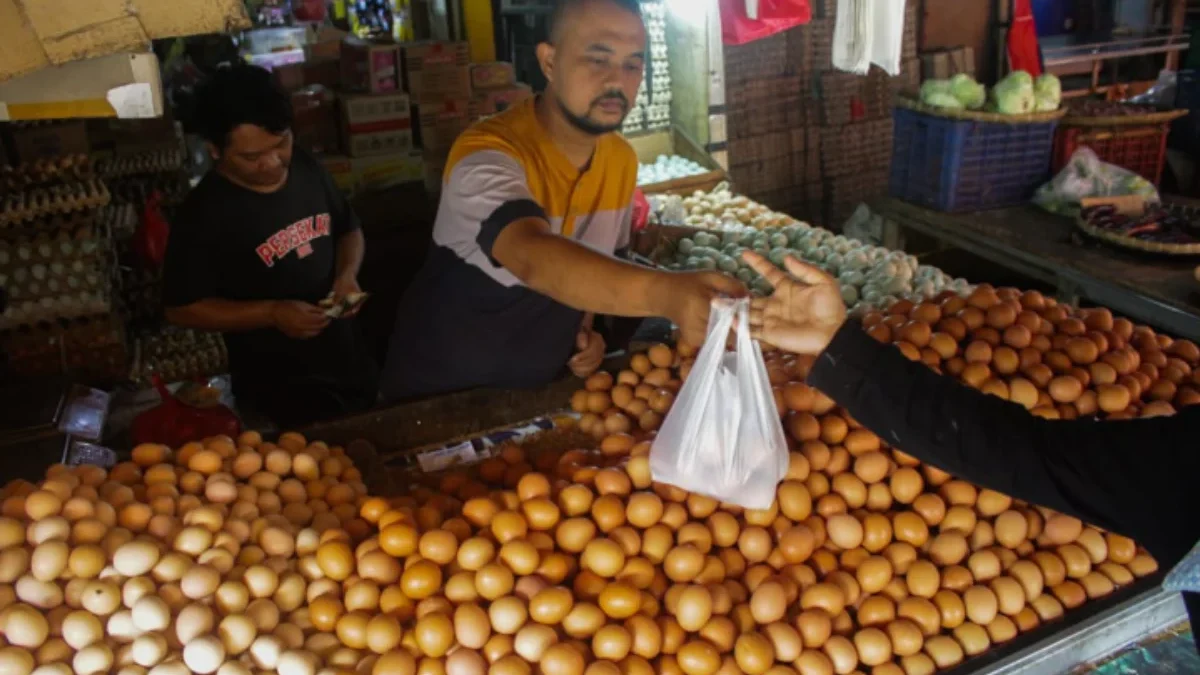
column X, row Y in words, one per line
column 723, row 437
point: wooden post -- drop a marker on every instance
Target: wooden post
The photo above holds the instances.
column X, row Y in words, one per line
column 1178, row 17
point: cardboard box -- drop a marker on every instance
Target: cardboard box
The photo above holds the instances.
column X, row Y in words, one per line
column 947, row 63
column 314, row 119
column 496, row 75
column 440, row 124
column 384, row 171
column 127, row 86
column 370, row 67
column 310, row 73
column 40, row 33
column 376, row 125
column 436, row 71
column 34, row 142
column 361, row 174
column 488, row 103
column 325, row 44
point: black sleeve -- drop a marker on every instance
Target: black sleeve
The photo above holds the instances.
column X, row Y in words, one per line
column 1122, row 476
column 188, row 269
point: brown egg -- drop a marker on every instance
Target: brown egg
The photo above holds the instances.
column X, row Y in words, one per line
column 845, row 531
column 951, row 608
column 923, row 579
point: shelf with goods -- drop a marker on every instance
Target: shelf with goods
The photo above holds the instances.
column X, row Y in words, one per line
column 151, row 174
column 56, row 265
column 668, row 121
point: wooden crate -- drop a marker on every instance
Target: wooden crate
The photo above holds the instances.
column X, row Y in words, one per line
column 674, row 141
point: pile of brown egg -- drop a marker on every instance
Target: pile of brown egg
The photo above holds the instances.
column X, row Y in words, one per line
column 240, row 557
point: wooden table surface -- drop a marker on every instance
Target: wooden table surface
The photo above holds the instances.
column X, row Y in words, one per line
column 1159, row 290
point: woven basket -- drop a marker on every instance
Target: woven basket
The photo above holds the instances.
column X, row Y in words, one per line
column 980, row 115
column 1123, row 120
column 1132, row 243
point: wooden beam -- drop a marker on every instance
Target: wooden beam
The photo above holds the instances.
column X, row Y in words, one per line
column 1178, row 20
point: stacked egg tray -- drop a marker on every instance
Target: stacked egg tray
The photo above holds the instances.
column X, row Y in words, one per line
column 652, row 108
column 76, row 167
column 56, row 266
column 24, row 208
column 177, row 354
column 93, row 348
column 133, row 177
column 68, row 275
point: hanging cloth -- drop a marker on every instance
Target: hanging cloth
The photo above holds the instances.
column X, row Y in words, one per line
column 868, row 32
column 1023, row 51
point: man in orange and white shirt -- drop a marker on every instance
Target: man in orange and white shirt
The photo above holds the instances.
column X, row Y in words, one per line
column 535, row 203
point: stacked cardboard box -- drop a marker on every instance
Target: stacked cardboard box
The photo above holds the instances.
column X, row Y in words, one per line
column 437, row 76
column 836, row 126
column 372, row 115
column 494, row 89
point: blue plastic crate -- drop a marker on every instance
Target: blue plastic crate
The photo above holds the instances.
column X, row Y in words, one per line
column 964, row 165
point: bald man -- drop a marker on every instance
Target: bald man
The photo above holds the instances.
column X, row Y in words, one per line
column 535, row 203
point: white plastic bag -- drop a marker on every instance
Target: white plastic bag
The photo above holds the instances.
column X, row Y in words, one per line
column 723, row 437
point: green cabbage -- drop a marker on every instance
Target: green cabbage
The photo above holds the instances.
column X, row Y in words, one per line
column 1047, row 89
column 932, row 87
column 940, row 100
column 1014, row 94
column 1044, row 103
column 1020, row 76
column 968, row 92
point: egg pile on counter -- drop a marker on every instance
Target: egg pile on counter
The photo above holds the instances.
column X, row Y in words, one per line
column 871, row 277
column 719, row 209
column 240, row 557
column 667, row 168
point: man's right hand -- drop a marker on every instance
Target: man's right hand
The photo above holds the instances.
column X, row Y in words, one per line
column 299, row 320
column 690, row 296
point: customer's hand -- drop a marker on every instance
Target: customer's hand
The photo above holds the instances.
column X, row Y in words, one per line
column 299, row 320
column 590, row 350
column 691, row 296
column 805, row 311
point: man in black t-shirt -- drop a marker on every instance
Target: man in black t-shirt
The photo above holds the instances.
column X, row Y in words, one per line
column 259, row 242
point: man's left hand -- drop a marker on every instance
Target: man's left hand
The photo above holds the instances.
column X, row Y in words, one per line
column 342, row 287
column 590, row 354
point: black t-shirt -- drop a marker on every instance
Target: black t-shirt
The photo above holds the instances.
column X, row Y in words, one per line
column 232, row 243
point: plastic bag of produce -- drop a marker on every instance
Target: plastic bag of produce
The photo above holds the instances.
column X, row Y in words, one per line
column 723, row 437
column 1085, row 175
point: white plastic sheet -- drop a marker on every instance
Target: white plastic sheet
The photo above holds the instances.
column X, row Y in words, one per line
column 723, row 437
column 866, row 32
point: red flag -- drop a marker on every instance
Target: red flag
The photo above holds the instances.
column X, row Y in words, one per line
column 1023, row 40
column 774, row 16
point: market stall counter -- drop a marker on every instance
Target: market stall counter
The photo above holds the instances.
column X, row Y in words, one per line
column 1159, row 290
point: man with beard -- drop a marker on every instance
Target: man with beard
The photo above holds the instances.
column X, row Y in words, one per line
column 535, row 202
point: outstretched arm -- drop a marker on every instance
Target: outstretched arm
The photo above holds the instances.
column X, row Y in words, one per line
column 1118, row 475
column 1112, row 474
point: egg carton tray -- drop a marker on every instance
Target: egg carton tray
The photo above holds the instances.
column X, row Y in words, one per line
column 53, row 223
column 137, row 189
column 66, row 247
column 55, row 287
column 29, row 205
column 151, row 162
column 64, row 168
column 29, row 313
